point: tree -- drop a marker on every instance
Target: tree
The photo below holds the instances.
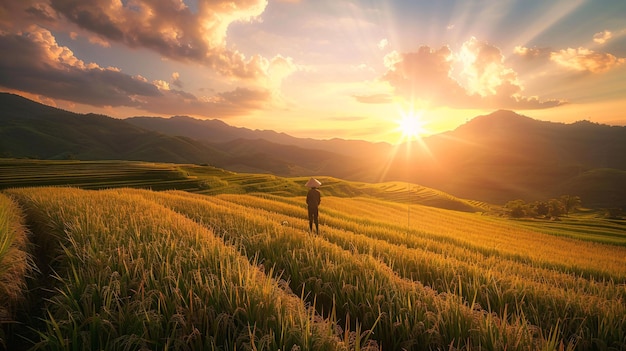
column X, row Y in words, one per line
column 541, row 208
column 570, row 202
column 555, row 208
column 517, row 208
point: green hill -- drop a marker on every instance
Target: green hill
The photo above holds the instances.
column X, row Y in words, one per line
column 209, row 180
column 29, row 129
column 493, row 158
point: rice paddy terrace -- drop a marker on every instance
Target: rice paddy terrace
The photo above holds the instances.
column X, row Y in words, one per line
column 227, row 264
column 93, row 174
column 207, row 180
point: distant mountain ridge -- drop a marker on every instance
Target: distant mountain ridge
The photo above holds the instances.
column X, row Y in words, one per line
column 213, row 130
column 493, row 158
column 504, row 155
column 217, row 131
column 30, row 129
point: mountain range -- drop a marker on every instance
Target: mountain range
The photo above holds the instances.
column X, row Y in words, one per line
column 494, row 158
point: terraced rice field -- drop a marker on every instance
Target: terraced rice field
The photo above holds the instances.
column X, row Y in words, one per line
column 130, row 269
column 94, row 174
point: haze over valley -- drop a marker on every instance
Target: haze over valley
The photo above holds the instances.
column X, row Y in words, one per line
column 495, row 158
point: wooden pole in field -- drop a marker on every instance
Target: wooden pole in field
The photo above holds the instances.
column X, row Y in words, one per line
column 408, row 207
column 408, row 186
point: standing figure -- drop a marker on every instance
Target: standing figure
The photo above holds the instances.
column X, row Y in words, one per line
column 313, row 200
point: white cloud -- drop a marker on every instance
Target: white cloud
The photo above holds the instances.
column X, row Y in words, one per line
column 383, row 44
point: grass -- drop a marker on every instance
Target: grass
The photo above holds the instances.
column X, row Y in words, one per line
column 93, row 174
column 208, row 180
column 229, row 264
column 15, row 262
column 483, row 260
column 582, row 226
column 131, row 274
column 356, row 286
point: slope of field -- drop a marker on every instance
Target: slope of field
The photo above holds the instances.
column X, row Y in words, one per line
column 93, row 174
column 137, row 269
column 582, row 227
column 208, row 180
column 217, row 181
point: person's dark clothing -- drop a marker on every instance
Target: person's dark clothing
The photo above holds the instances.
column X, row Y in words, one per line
column 313, row 200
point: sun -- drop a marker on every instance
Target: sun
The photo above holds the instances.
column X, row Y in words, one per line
column 411, row 126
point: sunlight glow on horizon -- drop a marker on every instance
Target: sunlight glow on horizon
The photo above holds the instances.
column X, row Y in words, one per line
column 395, row 71
column 411, row 125
column 412, row 121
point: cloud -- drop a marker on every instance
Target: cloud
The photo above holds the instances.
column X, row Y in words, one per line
column 279, row 68
column 483, row 81
column 176, row 80
column 15, row 15
column 585, row 60
column 374, row 99
column 249, row 98
column 383, row 44
column 99, row 41
column 575, row 59
column 531, row 53
column 423, row 74
column 222, row 105
column 167, row 27
column 39, row 65
column 602, row 37
column 483, row 70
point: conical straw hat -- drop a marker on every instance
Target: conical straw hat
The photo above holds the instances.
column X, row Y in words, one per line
column 313, row 183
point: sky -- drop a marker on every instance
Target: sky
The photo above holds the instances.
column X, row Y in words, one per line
column 321, row 68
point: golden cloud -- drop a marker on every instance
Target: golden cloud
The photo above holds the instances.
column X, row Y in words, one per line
column 602, row 37
column 475, row 77
column 167, row 27
column 39, row 65
column 586, row 60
